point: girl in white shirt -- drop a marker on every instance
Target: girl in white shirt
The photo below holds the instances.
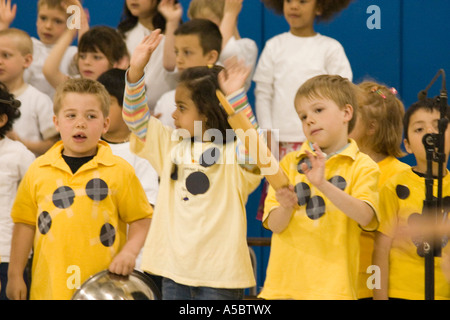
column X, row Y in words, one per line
column 139, row 19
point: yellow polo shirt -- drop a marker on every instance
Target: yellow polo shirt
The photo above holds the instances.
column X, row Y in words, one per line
column 317, row 255
column 81, row 219
column 389, row 167
column 401, row 199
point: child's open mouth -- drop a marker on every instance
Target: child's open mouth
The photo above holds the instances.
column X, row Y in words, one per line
column 79, row 137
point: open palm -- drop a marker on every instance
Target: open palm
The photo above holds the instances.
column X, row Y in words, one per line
column 233, row 77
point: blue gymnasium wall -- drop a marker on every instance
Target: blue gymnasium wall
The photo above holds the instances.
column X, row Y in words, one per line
column 412, row 44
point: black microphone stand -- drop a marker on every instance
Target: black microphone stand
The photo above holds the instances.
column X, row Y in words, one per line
column 433, row 208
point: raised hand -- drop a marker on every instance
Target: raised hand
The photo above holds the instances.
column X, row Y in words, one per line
column 233, row 77
column 142, row 54
column 7, row 13
column 170, row 10
column 315, row 173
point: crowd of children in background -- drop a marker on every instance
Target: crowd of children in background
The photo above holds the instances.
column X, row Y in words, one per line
column 117, row 154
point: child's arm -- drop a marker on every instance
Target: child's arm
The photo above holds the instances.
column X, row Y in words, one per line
column 124, row 262
column 172, row 12
column 228, row 25
column 21, row 244
column 51, row 66
column 135, row 110
column 354, row 208
column 37, row 147
column 7, row 14
column 380, row 258
column 280, row 217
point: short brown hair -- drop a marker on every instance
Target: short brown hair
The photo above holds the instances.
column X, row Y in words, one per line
column 336, row 88
column 84, row 86
column 380, row 104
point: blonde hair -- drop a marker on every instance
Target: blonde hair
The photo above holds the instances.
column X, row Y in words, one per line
column 83, row 86
column 379, row 105
column 196, row 7
column 333, row 87
column 22, row 40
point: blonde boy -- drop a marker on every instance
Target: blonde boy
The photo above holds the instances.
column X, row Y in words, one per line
column 35, row 127
column 75, row 202
column 316, row 222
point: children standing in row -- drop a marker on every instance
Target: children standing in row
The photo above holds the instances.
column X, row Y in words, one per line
column 72, row 207
column 316, row 222
column 203, row 190
column 11, row 173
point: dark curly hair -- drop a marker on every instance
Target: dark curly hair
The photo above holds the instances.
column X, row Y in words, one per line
column 9, row 110
column 202, row 82
column 329, row 8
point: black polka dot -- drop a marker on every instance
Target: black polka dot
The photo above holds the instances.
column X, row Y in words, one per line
column 402, row 191
column 299, row 165
column 197, row 183
column 315, row 208
column 107, row 235
column 97, row 189
column 303, row 193
column 63, row 197
column 209, row 157
column 44, row 222
column 339, row 182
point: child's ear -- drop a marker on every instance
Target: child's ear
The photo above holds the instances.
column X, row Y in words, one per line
column 3, row 119
column 106, row 124
column 407, row 146
column 55, row 122
column 28, row 60
column 348, row 112
column 212, row 57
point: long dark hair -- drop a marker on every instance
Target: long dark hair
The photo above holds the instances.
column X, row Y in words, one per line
column 202, row 83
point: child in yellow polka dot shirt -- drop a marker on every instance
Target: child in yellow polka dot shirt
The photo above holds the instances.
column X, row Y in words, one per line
column 317, row 220
column 75, row 202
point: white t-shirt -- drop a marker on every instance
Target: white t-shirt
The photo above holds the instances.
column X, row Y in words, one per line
column 36, row 119
column 244, row 49
column 15, row 159
column 34, row 75
column 286, row 62
column 157, row 79
column 144, row 170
